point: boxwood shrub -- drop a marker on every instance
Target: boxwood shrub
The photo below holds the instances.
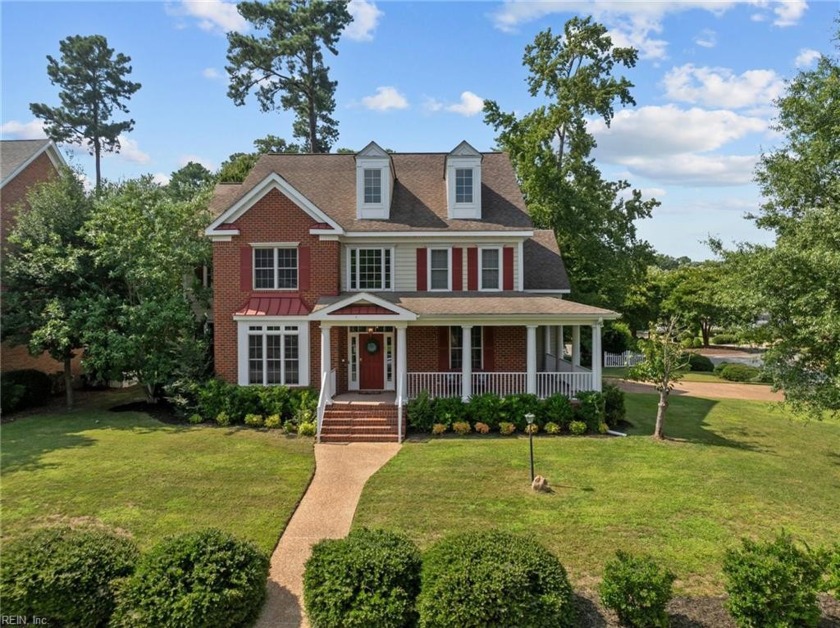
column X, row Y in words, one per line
column 479, row 579
column 485, row 408
column 421, row 413
column 700, row 363
column 614, row 409
column 64, row 574
column 558, row 409
column 27, row 388
column 740, row 372
column 637, row 589
column 205, row 578
column 449, row 410
column 370, row 578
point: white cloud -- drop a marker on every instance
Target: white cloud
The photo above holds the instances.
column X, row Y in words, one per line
column 788, row 12
column 720, row 87
column 707, row 38
column 213, row 15
column 696, row 170
column 130, row 151
column 183, row 160
column 366, row 16
column 33, row 130
column 469, row 105
column 211, row 73
column 806, row 58
column 161, row 178
column 386, row 98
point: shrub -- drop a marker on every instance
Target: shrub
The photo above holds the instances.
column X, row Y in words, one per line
column 832, row 570
column 772, row 584
column 614, row 409
column 439, row 428
column 603, row 428
column 449, row 410
column 724, row 339
column 242, row 401
column 303, row 404
column 577, row 428
column 205, row 578
column 552, row 428
column 719, row 368
column 66, row 575
column 29, row 388
column 700, row 363
column 307, row 428
column 591, row 409
column 637, row 589
column 482, row 428
column 370, row 578
column 617, row 337
column 275, row 400
column 697, row 343
column 740, row 372
column 195, row 419
column 506, row 428
column 513, row 409
column 212, row 397
column 290, row 427
column 223, row 419
column 273, row 421
column 462, row 428
column 254, row 420
column 10, row 396
column 687, row 343
column 532, row 429
column 558, row 409
column 485, row 408
column 493, row 579
column 421, row 414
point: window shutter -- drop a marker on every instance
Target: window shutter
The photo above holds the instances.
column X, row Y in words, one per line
column 443, row 349
column 489, row 348
column 304, row 271
column 421, row 270
column 457, row 269
column 245, row 275
column 507, row 270
column 472, row 268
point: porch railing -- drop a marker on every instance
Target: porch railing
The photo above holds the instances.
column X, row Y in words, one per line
column 437, row 384
column 548, row 383
column 568, row 384
column 324, row 397
column 500, row 384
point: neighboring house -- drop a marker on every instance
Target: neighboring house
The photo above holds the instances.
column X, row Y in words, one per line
column 23, row 164
column 392, row 272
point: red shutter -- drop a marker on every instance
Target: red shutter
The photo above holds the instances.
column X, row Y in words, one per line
column 245, row 279
column 443, row 348
column 304, row 271
column 472, row 268
column 507, row 270
column 489, row 349
column 421, row 270
column 457, row 269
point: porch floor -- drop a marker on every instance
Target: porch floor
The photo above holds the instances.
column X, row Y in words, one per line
column 386, row 398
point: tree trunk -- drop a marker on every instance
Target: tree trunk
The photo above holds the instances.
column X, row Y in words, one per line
column 68, row 381
column 150, row 393
column 658, row 431
column 97, row 152
column 705, row 330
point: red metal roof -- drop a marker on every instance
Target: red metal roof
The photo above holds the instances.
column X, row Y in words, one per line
column 363, row 310
column 273, row 306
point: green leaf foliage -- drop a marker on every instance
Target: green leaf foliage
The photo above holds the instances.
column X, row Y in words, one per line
column 638, row 590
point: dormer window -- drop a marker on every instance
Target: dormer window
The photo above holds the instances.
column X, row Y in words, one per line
column 463, row 183
column 373, row 186
column 374, row 180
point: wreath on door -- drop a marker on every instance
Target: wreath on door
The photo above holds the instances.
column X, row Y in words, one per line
column 372, row 346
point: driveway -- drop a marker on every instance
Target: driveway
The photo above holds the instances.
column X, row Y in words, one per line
column 709, row 390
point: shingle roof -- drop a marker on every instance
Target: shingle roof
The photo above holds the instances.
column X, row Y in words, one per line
column 544, row 267
column 15, row 153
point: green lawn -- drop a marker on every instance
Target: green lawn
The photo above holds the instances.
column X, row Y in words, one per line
column 150, row 478
column 739, row 468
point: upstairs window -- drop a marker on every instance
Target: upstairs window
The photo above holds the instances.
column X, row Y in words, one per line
column 275, row 269
column 456, row 348
column 373, row 185
column 491, row 269
column 463, row 185
column 370, row 269
column 439, row 269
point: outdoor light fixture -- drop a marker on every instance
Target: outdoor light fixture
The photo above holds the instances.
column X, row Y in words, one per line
column 529, row 418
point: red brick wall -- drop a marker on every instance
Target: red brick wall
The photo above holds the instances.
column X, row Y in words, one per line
column 510, row 349
column 274, row 218
column 15, row 190
column 13, row 358
column 422, row 349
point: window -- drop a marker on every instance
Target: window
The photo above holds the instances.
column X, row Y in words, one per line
column 275, row 269
column 439, row 269
column 463, row 185
column 490, row 269
column 373, row 185
column 273, row 354
column 370, row 269
column 456, row 348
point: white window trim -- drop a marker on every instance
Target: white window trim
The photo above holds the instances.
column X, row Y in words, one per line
column 499, row 286
column 348, row 273
column 473, row 347
column 243, row 332
column 254, row 250
column 448, row 269
column 470, row 203
column 365, row 202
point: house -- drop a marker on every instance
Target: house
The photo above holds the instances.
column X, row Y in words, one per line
column 394, row 272
column 23, row 164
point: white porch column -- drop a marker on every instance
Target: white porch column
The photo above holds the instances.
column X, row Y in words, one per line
column 466, row 362
column 401, row 363
column 597, row 356
column 561, row 344
column 575, row 347
column 326, row 361
column 531, row 377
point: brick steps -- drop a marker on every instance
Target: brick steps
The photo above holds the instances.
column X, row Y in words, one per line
column 345, row 423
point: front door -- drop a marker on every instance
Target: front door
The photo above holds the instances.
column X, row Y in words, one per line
column 371, row 362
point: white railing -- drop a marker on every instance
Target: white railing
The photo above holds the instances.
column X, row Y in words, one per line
column 436, row 384
column 628, row 358
column 501, row 384
column 569, row 384
column 324, row 397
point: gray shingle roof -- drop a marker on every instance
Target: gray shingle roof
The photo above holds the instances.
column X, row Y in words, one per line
column 15, row 153
column 544, row 267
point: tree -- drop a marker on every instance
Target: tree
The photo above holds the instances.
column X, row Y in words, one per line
column 550, row 148
column 287, row 62
column 696, row 293
column 237, row 166
column 662, row 367
column 146, row 326
column 92, row 84
column 190, row 180
column 48, row 272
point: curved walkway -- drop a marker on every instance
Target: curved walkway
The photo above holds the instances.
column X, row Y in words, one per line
column 709, row 390
column 325, row 512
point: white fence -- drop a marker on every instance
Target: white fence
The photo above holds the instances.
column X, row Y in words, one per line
column 568, row 384
column 628, row 358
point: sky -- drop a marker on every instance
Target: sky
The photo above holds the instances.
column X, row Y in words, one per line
column 412, row 76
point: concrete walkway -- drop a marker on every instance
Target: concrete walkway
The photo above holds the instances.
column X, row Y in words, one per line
column 325, row 512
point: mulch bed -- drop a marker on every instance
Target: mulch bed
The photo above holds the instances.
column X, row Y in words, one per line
column 162, row 411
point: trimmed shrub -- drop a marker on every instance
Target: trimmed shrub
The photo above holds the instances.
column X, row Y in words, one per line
column 10, row 396
column 449, row 410
column 462, row 428
column 482, row 579
column 740, row 372
column 591, row 409
column 700, row 363
column 506, row 428
column 275, row 400
column 532, row 429
column 724, row 339
column 29, row 388
column 637, row 590
column 195, row 419
column 272, row 422
column 482, row 428
column 719, row 367
column 577, row 428
column 439, row 428
column 421, row 414
column 485, row 408
column 614, row 409
column 66, row 575
column 514, row 408
column 772, row 583
column 307, row 429
column 254, row 420
column 223, row 419
column 205, row 578
column 558, row 409
column 290, row 427
column 552, row 428
column 370, row 578
column 304, row 405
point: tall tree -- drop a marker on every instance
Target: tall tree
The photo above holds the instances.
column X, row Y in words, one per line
column 92, row 84
column 286, row 61
column 48, row 272
column 237, row 166
column 190, row 180
column 551, row 151
column 696, row 293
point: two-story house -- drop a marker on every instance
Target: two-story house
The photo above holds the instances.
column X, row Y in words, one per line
column 393, row 272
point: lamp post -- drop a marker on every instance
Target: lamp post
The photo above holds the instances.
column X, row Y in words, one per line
column 530, row 419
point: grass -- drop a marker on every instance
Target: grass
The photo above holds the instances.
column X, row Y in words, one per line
column 150, row 478
column 736, row 468
column 688, row 376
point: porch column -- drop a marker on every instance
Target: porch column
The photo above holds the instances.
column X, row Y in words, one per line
column 597, row 356
column 575, row 347
column 466, row 362
column 531, row 377
column 326, row 360
column 401, row 363
column 561, row 344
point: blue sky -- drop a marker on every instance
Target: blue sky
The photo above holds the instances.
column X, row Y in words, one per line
column 412, row 76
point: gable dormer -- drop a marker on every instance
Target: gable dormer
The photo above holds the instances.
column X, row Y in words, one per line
column 463, row 182
column 374, row 183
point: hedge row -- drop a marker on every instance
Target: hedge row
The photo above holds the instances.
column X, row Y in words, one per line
column 23, row 389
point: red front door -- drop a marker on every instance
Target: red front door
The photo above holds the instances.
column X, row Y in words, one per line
column 371, row 362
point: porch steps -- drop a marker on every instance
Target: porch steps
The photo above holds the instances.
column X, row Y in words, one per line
column 352, row 423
